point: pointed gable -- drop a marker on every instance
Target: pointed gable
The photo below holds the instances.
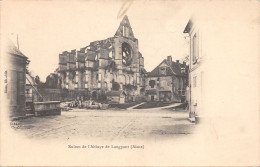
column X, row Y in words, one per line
column 124, row 29
column 173, row 68
column 156, row 72
column 163, row 64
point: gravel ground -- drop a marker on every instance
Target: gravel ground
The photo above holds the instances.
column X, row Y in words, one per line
column 109, row 125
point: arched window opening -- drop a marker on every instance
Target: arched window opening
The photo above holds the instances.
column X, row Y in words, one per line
column 126, row 54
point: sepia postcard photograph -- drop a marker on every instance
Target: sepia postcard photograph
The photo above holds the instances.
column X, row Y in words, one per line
column 130, row 83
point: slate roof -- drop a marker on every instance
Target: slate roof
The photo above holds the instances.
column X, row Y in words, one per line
column 115, row 93
column 12, row 49
column 174, row 69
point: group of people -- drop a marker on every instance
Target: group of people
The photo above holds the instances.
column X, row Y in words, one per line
column 75, row 103
column 79, row 102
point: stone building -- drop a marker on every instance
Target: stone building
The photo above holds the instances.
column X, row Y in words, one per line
column 14, row 81
column 167, row 82
column 196, row 74
column 111, row 64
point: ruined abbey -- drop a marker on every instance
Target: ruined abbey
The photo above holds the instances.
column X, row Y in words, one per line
column 114, row 68
column 110, row 65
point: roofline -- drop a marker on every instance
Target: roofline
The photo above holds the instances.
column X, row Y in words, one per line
column 13, row 50
column 22, row 56
column 170, row 66
column 160, row 64
column 155, row 67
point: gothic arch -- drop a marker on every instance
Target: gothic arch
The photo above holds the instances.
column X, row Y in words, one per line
column 126, row 54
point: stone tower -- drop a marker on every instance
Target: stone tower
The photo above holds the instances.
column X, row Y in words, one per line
column 111, row 64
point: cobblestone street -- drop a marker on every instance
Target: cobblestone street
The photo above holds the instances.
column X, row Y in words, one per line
column 150, row 124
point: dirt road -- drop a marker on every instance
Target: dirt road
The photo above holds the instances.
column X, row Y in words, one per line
column 109, row 125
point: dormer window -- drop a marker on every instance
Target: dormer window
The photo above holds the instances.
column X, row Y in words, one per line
column 182, row 70
column 162, row 70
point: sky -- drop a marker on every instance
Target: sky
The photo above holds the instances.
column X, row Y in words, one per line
column 47, row 28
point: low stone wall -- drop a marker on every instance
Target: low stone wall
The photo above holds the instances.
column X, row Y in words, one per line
column 61, row 94
column 50, row 94
column 47, row 108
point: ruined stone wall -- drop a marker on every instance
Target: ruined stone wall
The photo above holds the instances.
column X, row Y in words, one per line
column 97, row 65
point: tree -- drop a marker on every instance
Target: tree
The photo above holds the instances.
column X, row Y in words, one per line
column 37, row 80
column 52, row 81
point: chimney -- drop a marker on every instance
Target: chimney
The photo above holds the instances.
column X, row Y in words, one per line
column 169, row 59
column 177, row 61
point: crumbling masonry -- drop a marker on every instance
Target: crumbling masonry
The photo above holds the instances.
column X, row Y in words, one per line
column 111, row 64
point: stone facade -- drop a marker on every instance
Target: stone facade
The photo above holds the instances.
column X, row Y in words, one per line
column 197, row 65
column 111, row 64
column 167, row 82
column 15, row 80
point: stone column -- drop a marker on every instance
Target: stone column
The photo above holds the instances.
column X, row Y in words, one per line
column 87, row 79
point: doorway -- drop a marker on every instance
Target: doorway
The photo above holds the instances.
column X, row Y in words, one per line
column 152, row 98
